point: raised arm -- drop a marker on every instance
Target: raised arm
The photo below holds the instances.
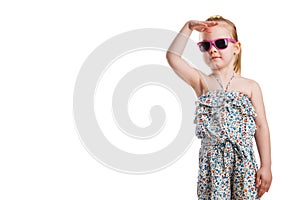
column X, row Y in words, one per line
column 189, row 74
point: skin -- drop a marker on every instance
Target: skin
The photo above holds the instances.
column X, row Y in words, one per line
column 221, row 64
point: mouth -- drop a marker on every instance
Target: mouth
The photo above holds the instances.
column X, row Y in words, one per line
column 214, row 57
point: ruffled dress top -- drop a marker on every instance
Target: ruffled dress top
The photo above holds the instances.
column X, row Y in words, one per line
column 226, row 126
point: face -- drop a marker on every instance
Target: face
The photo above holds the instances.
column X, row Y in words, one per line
column 220, row 58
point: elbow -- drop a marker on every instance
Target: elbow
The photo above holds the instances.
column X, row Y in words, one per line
column 259, row 125
column 168, row 55
column 171, row 57
column 262, row 127
column 261, row 122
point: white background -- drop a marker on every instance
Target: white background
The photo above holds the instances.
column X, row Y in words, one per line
column 44, row 44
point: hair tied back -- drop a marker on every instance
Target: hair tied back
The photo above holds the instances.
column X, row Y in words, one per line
column 216, row 17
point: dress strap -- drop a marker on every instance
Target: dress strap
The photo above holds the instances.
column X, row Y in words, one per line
column 228, row 84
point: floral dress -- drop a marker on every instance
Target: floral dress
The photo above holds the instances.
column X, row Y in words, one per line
column 227, row 165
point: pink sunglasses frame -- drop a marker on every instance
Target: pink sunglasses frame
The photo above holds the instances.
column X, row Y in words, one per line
column 212, row 42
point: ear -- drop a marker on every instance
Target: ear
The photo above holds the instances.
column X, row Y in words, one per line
column 237, row 48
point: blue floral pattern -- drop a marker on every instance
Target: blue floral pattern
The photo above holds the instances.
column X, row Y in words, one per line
column 227, row 165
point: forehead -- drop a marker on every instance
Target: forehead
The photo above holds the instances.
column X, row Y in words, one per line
column 220, row 31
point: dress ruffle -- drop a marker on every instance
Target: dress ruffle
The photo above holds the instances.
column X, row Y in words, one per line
column 212, row 104
column 216, row 98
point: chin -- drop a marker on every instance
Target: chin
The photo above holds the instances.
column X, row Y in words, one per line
column 215, row 67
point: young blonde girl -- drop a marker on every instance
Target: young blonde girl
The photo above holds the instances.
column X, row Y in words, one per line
column 229, row 113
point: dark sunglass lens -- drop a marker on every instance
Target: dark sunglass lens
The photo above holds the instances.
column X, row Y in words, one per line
column 204, row 46
column 221, row 43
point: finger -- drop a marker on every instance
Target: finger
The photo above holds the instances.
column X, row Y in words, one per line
column 203, row 29
column 212, row 23
column 264, row 188
column 265, row 185
column 261, row 191
column 198, row 23
column 257, row 180
column 208, row 30
column 198, row 27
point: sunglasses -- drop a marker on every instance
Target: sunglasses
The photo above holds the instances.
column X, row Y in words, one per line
column 221, row 43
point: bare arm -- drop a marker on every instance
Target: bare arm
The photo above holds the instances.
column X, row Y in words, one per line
column 262, row 137
column 189, row 74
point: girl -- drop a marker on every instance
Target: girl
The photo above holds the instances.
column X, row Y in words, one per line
column 229, row 113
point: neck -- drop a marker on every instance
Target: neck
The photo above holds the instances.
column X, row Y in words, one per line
column 223, row 73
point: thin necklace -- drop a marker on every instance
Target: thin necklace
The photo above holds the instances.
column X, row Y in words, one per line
column 228, row 84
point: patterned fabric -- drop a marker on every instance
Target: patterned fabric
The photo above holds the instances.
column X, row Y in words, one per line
column 227, row 165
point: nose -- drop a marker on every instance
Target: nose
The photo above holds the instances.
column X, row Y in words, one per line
column 213, row 49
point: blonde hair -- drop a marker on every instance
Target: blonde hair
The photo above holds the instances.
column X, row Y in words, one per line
column 237, row 62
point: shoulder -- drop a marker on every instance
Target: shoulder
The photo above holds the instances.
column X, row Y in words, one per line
column 250, row 82
column 246, row 80
column 255, row 89
column 250, row 87
column 245, row 85
column 258, row 102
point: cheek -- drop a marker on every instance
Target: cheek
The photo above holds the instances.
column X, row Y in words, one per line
column 227, row 54
column 206, row 58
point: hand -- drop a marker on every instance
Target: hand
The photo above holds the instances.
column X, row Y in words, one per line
column 263, row 180
column 201, row 26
